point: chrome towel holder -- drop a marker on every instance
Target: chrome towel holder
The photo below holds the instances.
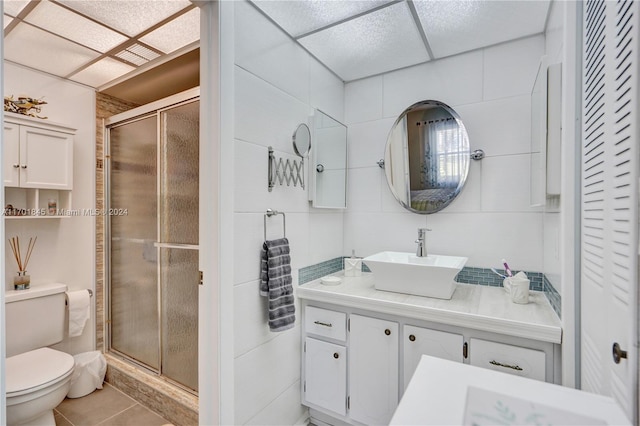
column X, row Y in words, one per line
column 270, row 213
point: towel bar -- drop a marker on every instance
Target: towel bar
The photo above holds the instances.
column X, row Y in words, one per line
column 270, row 213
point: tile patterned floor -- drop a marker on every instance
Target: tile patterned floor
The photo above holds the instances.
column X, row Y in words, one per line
column 105, row 407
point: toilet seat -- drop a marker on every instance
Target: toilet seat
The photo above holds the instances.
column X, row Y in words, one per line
column 30, row 371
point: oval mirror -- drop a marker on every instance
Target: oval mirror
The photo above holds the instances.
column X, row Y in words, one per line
column 427, row 157
column 302, row 140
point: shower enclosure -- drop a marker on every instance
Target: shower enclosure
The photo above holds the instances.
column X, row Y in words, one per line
column 152, row 236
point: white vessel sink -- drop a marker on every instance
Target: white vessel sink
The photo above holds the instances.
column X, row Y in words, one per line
column 431, row 276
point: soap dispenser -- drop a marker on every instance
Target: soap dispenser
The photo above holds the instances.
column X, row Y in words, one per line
column 352, row 265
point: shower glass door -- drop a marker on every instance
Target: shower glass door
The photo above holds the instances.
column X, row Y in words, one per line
column 153, row 235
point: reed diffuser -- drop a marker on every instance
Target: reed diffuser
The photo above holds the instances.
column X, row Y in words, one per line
column 22, row 281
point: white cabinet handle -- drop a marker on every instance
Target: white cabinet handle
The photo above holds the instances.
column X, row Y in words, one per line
column 24, row 166
column 325, row 324
column 16, row 166
column 499, row 364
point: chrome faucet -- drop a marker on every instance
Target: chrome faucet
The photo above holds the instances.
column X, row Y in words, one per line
column 421, row 241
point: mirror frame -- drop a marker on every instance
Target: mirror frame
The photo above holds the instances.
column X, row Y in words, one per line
column 301, row 151
column 418, row 106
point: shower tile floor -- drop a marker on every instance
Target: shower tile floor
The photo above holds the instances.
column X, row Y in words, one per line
column 105, row 407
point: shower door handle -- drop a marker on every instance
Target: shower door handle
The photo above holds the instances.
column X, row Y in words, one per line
column 177, row 246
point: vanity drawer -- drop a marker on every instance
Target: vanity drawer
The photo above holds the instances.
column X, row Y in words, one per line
column 510, row 359
column 323, row 322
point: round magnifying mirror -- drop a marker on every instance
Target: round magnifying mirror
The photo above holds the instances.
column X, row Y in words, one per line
column 427, row 157
column 302, row 140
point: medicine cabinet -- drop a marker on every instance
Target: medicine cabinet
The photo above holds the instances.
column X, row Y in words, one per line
column 546, row 128
column 328, row 165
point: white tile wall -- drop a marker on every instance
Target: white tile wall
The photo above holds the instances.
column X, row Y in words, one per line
column 510, row 68
column 455, row 81
column 553, row 34
column 363, row 100
column 498, row 127
column 264, row 373
column 265, row 50
column 326, row 91
column 491, row 218
column 485, row 238
column 285, row 410
column 277, row 86
column 505, row 183
column 366, row 142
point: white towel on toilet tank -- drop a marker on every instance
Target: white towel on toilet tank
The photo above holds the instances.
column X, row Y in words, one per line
column 79, row 310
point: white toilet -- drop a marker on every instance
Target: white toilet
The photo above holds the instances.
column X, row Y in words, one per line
column 37, row 377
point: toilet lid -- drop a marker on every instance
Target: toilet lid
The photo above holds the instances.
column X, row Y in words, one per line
column 36, row 368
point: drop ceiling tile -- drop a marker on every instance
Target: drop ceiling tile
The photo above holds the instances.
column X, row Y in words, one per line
column 378, row 42
column 70, row 25
column 129, row 17
column 458, row 26
column 101, row 72
column 35, row 48
column 7, row 20
column 183, row 30
column 14, row 7
column 301, row 17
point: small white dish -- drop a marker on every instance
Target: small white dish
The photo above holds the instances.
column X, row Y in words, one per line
column 330, row 280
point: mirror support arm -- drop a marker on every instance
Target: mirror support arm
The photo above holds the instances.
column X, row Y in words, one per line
column 478, row 154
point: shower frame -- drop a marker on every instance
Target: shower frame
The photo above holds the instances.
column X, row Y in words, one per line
column 136, row 114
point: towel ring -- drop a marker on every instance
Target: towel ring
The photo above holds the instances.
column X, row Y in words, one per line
column 270, row 213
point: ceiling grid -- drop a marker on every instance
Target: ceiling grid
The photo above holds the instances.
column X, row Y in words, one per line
column 95, row 42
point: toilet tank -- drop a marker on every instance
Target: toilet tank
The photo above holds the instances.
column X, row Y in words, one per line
column 34, row 318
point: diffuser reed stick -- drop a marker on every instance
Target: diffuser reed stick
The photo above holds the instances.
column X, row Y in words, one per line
column 14, row 242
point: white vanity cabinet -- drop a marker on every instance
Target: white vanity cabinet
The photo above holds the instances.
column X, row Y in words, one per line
column 373, row 369
column 37, row 162
column 509, row 359
column 326, row 375
column 380, row 337
column 418, row 341
column 325, row 359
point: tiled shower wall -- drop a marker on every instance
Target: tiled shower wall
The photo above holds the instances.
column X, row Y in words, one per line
column 106, row 106
column 277, row 86
column 492, row 218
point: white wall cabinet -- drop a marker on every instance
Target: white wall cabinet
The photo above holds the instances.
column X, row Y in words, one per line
column 373, row 369
column 357, row 363
column 38, row 158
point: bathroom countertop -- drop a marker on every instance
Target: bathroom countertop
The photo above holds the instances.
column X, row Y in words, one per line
column 472, row 306
column 443, row 392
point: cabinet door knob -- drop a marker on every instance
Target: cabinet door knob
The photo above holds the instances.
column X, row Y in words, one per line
column 412, row 337
column 387, row 332
column 16, row 166
column 336, row 355
column 24, row 166
column 618, row 353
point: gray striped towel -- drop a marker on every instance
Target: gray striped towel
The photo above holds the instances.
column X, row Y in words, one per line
column 275, row 284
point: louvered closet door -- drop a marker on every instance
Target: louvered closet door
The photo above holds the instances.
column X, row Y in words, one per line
column 609, row 245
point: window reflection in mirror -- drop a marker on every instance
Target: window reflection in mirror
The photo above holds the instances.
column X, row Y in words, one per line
column 427, row 157
column 328, row 168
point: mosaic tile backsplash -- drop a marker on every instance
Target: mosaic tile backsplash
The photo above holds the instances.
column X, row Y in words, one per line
column 319, row 270
column 468, row 275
